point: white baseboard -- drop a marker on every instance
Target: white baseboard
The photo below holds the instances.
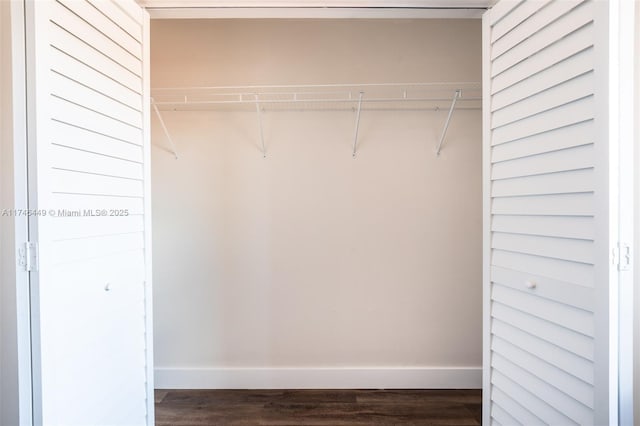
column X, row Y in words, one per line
column 319, row 378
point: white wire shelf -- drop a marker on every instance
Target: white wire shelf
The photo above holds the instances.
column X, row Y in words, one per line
column 384, row 96
column 447, row 96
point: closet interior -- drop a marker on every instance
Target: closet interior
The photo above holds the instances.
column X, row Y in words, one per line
column 316, row 189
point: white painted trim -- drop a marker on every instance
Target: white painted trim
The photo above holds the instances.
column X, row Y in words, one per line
column 16, row 406
column 624, row 54
column 33, row 25
column 486, row 218
column 320, row 378
column 311, row 13
column 605, row 230
column 148, row 243
column 636, row 235
column 318, row 3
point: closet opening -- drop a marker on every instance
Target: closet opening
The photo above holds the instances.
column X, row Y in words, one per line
column 306, row 233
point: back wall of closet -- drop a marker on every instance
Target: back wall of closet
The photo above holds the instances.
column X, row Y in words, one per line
column 310, row 268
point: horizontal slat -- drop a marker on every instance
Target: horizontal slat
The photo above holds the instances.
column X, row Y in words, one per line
column 131, row 8
column 135, row 206
column 81, row 51
column 513, row 413
column 555, row 290
column 572, row 181
column 580, row 157
column 561, row 72
column 75, row 182
column 562, row 138
column 82, row 73
column 122, row 270
column 579, row 413
column 568, row 384
column 66, row 158
column 555, row 205
column 494, row 422
column 70, row 227
column 513, row 20
column 117, row 15
column 564, row 338
column 561, row 270
column 558, row 248
column 549, row 183
column 501, row 10
column 81, row 29
column 519, row 392
column 107, row 27
column 571, row 227
column 86, row 96
column 557, row 52
column 76, row 250
column 571, row 363
column 75, row 137
column 563, row 315
column 581, row 227
column 535, row 22
column 555, row 31
column 574, row 112
column 569, row 91
column 78, row 116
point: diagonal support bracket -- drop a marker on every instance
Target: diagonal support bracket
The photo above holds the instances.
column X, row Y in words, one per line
column 164, row 128
column 259, row 113
column 456, row 96
column 355, row 136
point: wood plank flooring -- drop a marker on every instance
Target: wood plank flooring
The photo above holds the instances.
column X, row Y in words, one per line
column 318, row 407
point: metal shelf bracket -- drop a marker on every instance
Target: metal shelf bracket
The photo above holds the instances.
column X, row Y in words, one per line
column 355, row 136
column 164, row 128
column 456, row 96
column 259, row 114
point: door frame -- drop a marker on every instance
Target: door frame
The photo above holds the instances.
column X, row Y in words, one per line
column 15, row 305
column 622, row 137
column 18, row 309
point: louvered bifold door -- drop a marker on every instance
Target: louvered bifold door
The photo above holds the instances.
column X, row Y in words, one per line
column 87, row 82
column 546, row 201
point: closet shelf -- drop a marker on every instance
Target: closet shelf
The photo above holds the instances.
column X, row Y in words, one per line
column 383, row 96
column 447, row 96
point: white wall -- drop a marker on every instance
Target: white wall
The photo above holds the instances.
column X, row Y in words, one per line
column 310, row 259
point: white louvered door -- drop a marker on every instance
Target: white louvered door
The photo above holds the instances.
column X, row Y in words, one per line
column 87, row 79
column 548, row 216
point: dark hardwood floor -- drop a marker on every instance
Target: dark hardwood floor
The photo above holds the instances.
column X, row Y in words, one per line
column 318, row 407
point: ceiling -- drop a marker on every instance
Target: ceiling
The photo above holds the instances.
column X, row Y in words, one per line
column 319, row 3
column 163, row 9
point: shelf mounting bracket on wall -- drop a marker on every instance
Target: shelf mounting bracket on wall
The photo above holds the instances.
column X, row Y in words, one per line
column 355, row 136
column 456, row 96
column 164, row 128
column 259, row 113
